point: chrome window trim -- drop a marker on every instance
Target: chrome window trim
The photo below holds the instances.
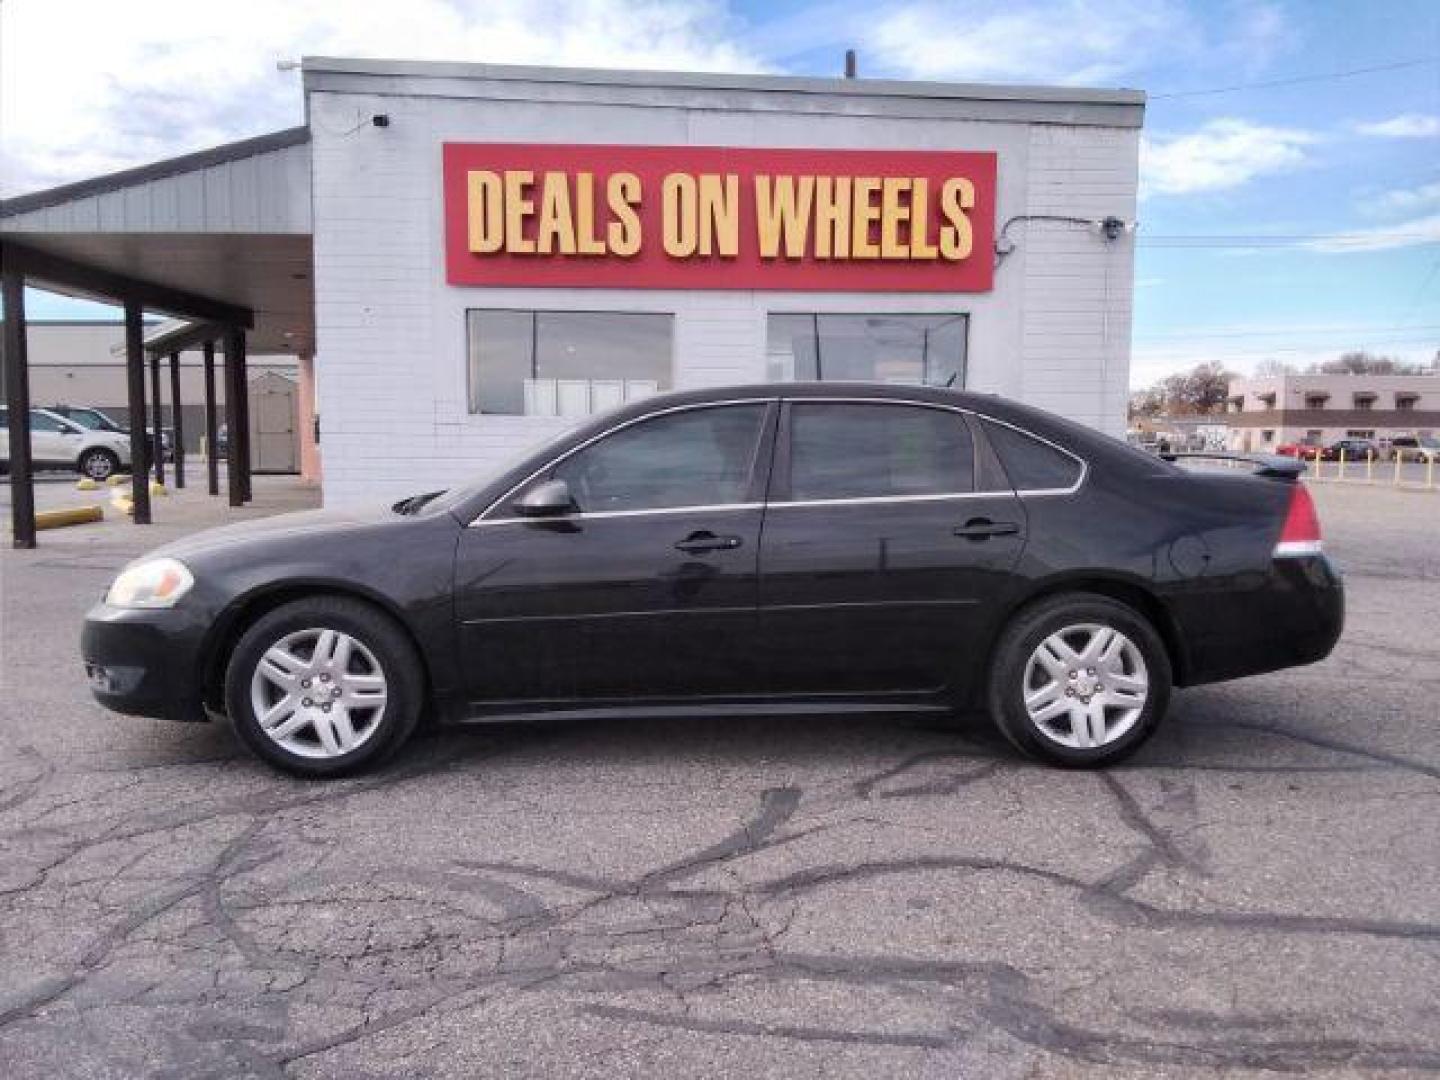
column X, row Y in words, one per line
column 858, row 500
column 866, row 500
column 481, row 519
column 1022, row 492
column 594, row 515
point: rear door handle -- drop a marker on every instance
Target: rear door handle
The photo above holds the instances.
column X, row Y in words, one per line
column 984, row 528
column 705, row 540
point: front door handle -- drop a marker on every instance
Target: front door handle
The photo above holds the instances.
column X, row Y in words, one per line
column 984, row 528
column 704, row 540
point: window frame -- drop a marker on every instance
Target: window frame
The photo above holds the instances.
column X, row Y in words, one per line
column 772, row 460
column 468, row 386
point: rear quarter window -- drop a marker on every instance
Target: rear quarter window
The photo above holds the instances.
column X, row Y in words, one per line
column 1032, row 465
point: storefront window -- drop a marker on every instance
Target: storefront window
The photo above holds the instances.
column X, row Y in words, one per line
column 916, row 350
column 565, row 363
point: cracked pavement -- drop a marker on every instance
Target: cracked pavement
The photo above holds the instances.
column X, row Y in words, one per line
column 1257, row 892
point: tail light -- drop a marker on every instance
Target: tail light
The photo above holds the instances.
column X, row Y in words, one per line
column 1301, row 532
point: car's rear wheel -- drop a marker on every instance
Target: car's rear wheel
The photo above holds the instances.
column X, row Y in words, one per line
column 99, row 463
column 324, row 686
column 1079, row 680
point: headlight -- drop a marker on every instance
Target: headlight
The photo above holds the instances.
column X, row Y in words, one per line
column 155, row 583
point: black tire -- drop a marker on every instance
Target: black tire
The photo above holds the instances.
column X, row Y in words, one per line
column 387, row 643
column 1018, row 643
column 98, row 463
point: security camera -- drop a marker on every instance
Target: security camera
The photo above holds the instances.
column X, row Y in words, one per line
column 1112, row 228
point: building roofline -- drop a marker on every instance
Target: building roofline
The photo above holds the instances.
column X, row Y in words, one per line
column 788, row 84
column 158, row 170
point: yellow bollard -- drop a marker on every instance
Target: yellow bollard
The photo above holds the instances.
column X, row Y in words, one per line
column 157, row 489
column 86, row 484
column 1399, row 460
column 116, row 480
column 79, row 515
column 1430, row 472
column 123, row 505
column 1340, row 468
column 1369, row 466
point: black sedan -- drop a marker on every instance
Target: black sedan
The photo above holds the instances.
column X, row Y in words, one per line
column 756, row 549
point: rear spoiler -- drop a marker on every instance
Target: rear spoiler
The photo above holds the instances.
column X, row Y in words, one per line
column 1271, row 465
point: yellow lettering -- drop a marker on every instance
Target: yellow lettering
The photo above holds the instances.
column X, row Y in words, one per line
column 864, row 215
column 586, row 242
column 782, row 214
column 832, row 217
column 894, row 212
column 487, row 232
column 622, row 194
column 518, row 206
column 557, row 228
column 920, row 245
column 956, row 239
column 720, row 215
column 680, row 212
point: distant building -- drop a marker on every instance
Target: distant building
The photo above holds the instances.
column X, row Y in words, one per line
column 82, row 363
column 1263, row 413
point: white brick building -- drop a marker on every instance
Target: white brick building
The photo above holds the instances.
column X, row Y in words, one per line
column 435, row 359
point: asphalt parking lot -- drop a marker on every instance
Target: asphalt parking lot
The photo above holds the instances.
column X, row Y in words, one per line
column 1258, row 891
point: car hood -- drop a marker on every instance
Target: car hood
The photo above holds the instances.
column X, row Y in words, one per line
column 303, row 525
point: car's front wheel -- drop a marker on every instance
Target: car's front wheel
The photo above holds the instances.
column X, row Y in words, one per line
column 1079, row 680
column 99, row 463
column 324, row 686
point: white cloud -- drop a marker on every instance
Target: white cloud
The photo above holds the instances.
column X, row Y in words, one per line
column 89, row 87
column 1405, row 200
column 1404, row 126
column 1412, row 233
column 1074, row 41
column 1221, row 154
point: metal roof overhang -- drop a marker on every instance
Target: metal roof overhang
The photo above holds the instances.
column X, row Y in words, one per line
column 221, row 236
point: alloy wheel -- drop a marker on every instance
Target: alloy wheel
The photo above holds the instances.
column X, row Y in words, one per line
column 1085, row 686
column 318, row 693
column 97, row 466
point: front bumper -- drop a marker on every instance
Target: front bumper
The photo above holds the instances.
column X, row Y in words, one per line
column 144, row 662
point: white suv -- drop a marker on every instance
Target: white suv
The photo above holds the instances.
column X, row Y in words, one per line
column 58, row 443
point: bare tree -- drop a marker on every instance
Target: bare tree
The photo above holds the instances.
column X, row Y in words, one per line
column 1360, row 362
column 1272, row 367
column 1197, row 392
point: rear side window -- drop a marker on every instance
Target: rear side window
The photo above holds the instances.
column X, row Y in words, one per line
column 1031, row 464
column 856, row 451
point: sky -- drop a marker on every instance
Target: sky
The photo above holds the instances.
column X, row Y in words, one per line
column 1290, row 165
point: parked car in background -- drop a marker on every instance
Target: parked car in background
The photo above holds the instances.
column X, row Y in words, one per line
column 754, row 549
column 59, row 443
column 1422, row 448
column 87, row 416
column 1302, row 450
column 1353, row 449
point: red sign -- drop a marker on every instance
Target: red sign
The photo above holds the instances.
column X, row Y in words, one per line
column 685, row 217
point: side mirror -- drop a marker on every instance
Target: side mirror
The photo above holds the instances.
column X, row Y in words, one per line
column 550, row 499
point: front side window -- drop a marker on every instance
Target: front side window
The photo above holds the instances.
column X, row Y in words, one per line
column 911, row 350
column 1032, row 465
column 565, row 363
column 861, row 451
column 698, row 457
